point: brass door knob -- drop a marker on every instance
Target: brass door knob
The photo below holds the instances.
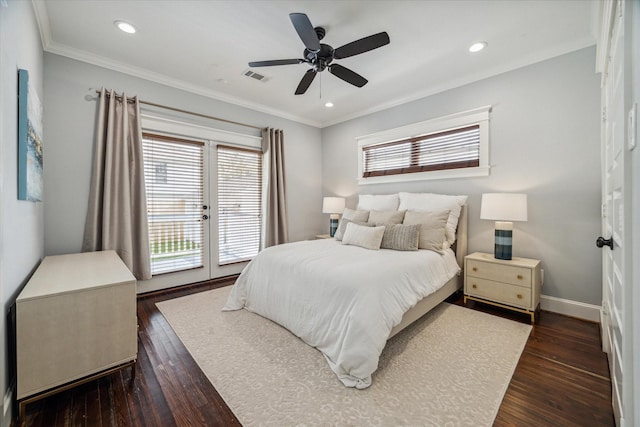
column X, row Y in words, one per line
column 519, row 276
column 519, row 296
column 474, row 286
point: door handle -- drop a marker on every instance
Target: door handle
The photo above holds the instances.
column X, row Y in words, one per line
column 205, row 217
column 604, row 242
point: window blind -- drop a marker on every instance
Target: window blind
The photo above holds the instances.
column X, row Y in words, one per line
column 173, row 170
column 239, row 204
column 452, row 149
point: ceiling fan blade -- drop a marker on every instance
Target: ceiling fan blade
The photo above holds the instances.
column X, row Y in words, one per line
column 347, row 75
column 305, row 30
column 363, row 45
column 306, row 81
column 275, row 62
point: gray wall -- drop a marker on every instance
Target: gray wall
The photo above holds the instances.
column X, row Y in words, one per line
column 545, row 133
column 69, row 126
column 21, row 222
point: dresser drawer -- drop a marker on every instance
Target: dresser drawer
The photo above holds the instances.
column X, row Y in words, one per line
column 502, row 273
column 500, row 292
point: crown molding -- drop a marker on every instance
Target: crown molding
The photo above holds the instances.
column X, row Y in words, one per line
column 53, row 47
column 48, row 45
column 42, row 19
column 470, row 78
column 142, row 73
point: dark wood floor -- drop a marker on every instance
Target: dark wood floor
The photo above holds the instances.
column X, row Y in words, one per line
column 562, row 379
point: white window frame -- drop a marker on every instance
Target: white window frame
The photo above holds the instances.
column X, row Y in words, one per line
column 478, row 116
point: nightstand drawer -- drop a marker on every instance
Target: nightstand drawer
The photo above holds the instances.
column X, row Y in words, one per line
column 499, row 292
column 502, row 273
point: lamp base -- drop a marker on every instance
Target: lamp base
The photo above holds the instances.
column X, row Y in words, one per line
column 333, row 224
column 503, row 240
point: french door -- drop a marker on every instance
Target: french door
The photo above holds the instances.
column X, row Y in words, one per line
column 204, row 202
column 616, row 243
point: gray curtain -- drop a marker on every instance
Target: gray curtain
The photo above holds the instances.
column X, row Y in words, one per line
column 117, row 214
column 276, row 229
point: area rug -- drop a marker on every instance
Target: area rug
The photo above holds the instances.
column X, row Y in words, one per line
column 450, row 368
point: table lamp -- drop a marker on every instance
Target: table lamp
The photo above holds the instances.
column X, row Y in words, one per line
column 333, row 206
column 503, row 208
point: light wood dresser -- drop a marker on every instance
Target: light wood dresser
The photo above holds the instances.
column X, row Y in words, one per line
column 75, row 321
column 514, row 284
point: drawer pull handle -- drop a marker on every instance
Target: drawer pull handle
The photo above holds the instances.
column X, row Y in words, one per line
column 519, row 296
column 474, row 286
column 519, row 276
column 475, row 269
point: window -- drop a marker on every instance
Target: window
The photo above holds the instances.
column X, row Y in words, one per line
column 173, row 170
column 239, row 204
column 453, row 149
column 452, row 146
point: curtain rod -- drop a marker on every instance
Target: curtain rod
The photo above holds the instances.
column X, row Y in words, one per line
column 166, row 107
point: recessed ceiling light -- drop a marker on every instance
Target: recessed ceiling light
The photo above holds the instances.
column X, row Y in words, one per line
column 125, row 26
column 328, row 104
column 477, row 47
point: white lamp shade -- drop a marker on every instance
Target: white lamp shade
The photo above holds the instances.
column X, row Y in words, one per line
column 333, row 205
column 504, row 207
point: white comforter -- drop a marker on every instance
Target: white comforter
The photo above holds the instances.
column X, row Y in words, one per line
column 343, row 300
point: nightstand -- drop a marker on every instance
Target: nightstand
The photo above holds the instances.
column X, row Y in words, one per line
column 323, row 236
column 513, row 284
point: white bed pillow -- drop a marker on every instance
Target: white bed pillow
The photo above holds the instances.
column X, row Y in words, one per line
column 363, row 236
column 386, row 217
column 436, row 202
column 378, row 202
column 432, row 228
column 343, row 226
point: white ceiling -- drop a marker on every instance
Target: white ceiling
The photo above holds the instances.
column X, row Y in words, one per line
column 204, row 46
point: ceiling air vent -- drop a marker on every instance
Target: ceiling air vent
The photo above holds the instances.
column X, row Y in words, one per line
column 256, row 76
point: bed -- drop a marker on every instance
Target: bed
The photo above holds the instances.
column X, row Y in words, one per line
column 345, row 300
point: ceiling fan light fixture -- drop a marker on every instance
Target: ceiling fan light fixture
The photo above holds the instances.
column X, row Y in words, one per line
column 320, row 56
column 125, row 27
column 477, row 47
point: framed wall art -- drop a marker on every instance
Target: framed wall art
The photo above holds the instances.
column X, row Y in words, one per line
column 30, row 164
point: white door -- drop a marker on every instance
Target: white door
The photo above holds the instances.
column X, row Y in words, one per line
column 617, row 336
column 178, row 210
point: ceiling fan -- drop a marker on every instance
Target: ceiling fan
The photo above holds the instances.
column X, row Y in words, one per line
column 320, row 56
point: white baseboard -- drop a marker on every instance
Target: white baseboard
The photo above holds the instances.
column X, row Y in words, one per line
column 567, row 307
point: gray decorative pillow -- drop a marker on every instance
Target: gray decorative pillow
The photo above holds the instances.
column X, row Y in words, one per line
column 354, row 215
column 363, row 236
column 386, row 217
column 401, row 237
column 343, row 225
column 432, row 228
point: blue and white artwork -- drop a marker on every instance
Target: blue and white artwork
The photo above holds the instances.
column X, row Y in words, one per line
column 29, row 141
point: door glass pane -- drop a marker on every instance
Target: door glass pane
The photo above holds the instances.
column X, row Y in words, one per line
column 239, row 204
column 173, row 170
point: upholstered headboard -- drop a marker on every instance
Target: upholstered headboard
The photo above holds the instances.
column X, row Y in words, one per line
column 461, row 237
